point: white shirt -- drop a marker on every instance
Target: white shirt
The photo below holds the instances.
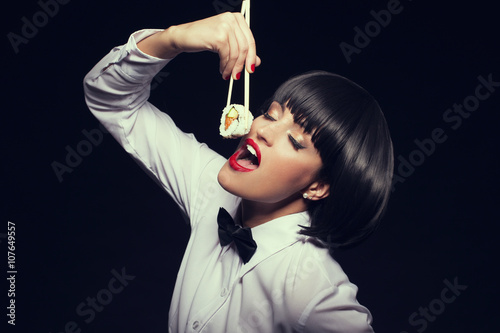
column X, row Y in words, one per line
column 289, row 285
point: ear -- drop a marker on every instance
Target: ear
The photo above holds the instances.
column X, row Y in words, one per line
column 317, row 190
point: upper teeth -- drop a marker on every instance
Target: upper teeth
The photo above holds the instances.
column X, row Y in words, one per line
column 252, row 150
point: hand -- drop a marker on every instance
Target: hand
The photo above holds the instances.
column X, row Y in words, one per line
column 226, row 34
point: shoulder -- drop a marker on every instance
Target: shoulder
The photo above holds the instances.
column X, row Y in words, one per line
column 311, row 260
column 319, row 295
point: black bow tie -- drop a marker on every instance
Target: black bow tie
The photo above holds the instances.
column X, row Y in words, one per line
column 242, row 237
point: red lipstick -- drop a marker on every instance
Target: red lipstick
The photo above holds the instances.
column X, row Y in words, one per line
column 245, row 164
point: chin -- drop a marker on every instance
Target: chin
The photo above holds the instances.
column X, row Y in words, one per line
column 229, row 181
column 224, row 179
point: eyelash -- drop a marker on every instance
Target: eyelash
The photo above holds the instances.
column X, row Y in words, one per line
column 268, row 116
column 294, row 142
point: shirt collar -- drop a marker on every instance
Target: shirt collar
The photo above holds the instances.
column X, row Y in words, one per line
column 276, row 235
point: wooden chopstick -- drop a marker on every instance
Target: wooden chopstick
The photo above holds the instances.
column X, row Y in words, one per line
column 245, row 11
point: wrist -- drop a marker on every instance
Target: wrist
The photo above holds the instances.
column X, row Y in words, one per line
column 169, row 44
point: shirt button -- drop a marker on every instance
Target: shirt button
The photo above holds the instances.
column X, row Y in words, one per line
column 223, row 293
column 196, row 325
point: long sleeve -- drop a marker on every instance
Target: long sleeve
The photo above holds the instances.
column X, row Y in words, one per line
column 337, row 310
column 116, row 92
column 289, row 285
column 319, row 295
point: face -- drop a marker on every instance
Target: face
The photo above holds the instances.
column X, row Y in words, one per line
column 275, row 161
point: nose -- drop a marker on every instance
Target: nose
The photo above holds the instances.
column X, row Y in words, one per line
column 267, row 132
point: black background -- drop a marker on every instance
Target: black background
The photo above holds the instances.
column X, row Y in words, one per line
column 107, row 214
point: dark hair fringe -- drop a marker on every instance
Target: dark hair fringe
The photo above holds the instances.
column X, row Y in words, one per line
column 351, row 134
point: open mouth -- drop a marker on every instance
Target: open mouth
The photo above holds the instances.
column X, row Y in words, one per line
column 247, row 158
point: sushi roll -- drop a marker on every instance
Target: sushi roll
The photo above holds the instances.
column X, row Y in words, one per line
column 235, row 122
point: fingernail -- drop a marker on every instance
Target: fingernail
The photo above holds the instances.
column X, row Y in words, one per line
column 238, row 76
column 252, row 68
column 226, row 78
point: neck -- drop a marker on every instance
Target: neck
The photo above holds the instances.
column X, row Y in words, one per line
column 256, row 213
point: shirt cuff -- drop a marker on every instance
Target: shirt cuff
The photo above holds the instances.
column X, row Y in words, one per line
column 137, row 65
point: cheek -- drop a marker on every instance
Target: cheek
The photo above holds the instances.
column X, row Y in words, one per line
column 290, row 172
column 295, row 173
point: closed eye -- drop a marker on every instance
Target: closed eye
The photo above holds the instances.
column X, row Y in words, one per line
column 268, row 116
column 295, row 143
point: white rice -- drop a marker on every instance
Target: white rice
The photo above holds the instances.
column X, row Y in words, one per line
column 240, row 126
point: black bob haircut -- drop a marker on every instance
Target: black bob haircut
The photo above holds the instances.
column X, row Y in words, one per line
column 351, row 135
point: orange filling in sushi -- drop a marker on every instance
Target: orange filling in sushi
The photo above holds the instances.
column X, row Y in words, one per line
column 231, row 116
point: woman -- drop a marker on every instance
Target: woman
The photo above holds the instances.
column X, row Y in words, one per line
column 313, row 174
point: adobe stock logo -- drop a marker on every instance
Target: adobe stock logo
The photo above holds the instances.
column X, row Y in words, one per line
column 262, row 308
column 88, row 309
column 372, row 29
column 454, row 116
column 30, row 27
column 93, row 138
column 428, row 314
column 74, row 157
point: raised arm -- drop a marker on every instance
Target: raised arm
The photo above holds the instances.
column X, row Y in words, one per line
column 118, row 87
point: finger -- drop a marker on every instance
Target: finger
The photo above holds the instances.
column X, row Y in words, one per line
column 227, row 43
column 233, row 55
column 251, row 52
column 258, row 61
column 243, row 48
column 224, row 55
